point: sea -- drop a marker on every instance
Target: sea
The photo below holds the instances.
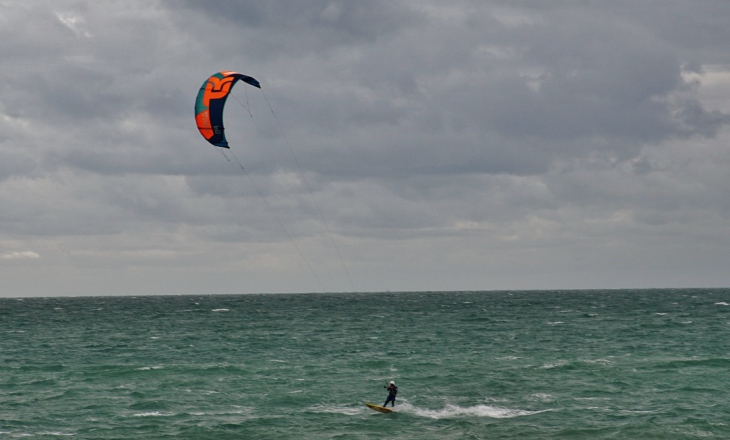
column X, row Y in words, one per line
column 581, row 364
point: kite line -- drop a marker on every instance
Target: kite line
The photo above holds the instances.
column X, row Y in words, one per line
column 311, row 193
column 209, row 106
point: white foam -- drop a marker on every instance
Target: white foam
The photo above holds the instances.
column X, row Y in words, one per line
column 220, row 310
column 554, row 365
column 153, row 414
column 202, row 392
column 451, row 411
column 722, row 303
column 598, row 361
column 636, row 411
column 237, row 410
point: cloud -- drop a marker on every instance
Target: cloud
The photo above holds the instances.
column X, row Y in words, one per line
column 15, row 255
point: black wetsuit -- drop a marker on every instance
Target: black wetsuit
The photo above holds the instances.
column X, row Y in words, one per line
column 392, row 391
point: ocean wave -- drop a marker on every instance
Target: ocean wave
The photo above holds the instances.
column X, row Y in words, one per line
column 544, row 397
column 552, row 365
column 451, row 411
column 336, row 409
column 153, row 414
column 682, row 363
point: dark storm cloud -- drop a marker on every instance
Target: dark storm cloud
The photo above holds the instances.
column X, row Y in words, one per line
column 433, row 93
column 578, row 79
column 317, row 25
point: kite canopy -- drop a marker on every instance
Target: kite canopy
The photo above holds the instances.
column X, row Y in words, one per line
column 210, row 102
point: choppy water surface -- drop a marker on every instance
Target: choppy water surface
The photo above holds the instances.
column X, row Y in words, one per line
column 469, row 365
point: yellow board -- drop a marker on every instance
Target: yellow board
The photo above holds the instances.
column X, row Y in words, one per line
column 382, row 409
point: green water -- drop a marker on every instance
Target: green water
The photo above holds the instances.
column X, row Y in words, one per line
column 647, row 364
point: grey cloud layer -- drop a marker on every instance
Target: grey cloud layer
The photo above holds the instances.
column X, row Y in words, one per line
column 525, row 126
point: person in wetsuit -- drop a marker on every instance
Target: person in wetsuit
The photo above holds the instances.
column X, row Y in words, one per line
column 392, row 391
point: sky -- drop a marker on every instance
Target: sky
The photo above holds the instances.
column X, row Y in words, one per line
column 394, row 146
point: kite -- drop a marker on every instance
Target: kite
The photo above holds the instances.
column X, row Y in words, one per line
column 210, row 102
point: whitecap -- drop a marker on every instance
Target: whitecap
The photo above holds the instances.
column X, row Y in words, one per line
column 556, row 323
column 554, row 365
column 202, row 392
column 636, row 411
column 153, row 414
column 599, row 361
column 220, row 310
column 722, row 303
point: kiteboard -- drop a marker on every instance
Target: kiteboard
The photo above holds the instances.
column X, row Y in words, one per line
column 379, row 408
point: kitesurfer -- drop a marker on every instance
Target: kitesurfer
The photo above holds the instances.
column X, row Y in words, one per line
column 392, row 391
